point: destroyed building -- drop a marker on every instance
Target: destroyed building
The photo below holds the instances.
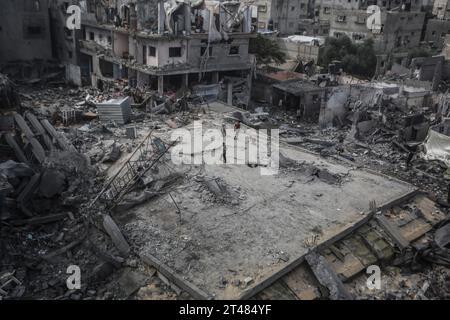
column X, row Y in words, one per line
column 25, row 31
column 146, row 150
column 174, row 45
column 438, row 25
column 283, row 16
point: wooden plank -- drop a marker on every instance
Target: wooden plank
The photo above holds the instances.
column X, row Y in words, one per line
column 283, row 270
column 415, row 229
column 277, row 291
column 67, row 247
column 327, row 277
column 346, row 268
column 302, row 283
column 39, row 220
column 392, row 232
column 428, row 207
column 360, row 250
column 165, row 270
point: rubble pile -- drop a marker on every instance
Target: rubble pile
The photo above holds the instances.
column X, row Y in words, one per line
column 60, row 186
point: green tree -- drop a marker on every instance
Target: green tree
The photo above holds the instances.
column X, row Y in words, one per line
column 357, row 59
column 266, row 51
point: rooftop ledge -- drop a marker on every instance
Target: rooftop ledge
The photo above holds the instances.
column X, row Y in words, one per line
column 149, row 35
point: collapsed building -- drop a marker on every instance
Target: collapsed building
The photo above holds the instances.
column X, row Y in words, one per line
column 88, row 177
column 166, row 46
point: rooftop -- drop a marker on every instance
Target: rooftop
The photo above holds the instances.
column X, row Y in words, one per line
column 260, row 224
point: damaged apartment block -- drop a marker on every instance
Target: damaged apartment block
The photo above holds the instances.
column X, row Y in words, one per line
column 176, row 45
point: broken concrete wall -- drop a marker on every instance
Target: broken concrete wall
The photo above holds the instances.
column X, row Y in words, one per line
column 415, row 128
column 147, row 14
column 430, row 68
column 73, row 74
column 335, row 107
column 25, row 31
column 437, row 147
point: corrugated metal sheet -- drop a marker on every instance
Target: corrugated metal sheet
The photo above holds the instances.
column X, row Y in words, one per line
column 117, row 110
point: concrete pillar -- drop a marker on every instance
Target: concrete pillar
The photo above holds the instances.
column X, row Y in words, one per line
column 230, row 93
column 185, row 80
column 187, row 19
column 161, row 85
column 133, row 17
column 161, row 17
column 437, row 76
column 250, row 82
column 215, row 77
column 247, row 21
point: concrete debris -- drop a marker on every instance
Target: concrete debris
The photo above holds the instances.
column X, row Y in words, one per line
column 9, row 97
column 116, row 235
column 88, row 178
column 114, row 154
column 52, row 183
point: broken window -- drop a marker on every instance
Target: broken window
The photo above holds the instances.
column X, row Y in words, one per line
column 360, row 19
column 33, row 28
column 292, row 8
column 151, row 51
column 174, row 52
column 109, row 40
column 358, row 36
column 203, row 50
column 144, row 54
column 234, row 50
column 262, row 8
column 91, row 36
column 341, row 18
column 326, row 10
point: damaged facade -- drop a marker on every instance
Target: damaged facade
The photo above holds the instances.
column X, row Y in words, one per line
column 25, row 31
column 166, row 46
